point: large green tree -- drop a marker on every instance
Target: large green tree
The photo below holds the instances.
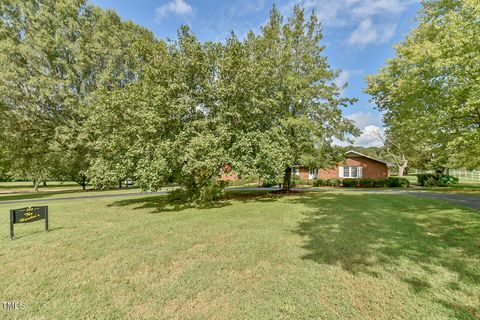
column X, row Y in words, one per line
column 53, row 56
column 430, row 91
column 162, row 127
column 307, row 99
column 261, row 106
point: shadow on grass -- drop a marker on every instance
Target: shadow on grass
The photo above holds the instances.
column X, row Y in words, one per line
column 20, row 233
column 376, row 233
column 164, row 203
column 161, row 203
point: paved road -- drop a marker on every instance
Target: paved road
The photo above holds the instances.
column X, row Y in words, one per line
column 460, row 199
column 110, row 195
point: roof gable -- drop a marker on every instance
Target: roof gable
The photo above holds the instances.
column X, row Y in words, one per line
column 355, row 154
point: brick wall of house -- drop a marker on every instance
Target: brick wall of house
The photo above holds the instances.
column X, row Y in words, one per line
column 371, row 168
column 328, row 173
column 230, row 177
column 304, row 173
column 228, row 174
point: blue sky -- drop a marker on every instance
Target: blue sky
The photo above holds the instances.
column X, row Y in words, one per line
column 359, row 34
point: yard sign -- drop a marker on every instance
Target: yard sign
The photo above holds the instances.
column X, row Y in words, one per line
column 27, row 215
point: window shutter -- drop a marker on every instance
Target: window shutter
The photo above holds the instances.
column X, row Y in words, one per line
column 360, row 172
column 340, row 172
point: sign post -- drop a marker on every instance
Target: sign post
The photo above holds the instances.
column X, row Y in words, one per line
column 12, row 221
column 46, row 219
column 27, row 215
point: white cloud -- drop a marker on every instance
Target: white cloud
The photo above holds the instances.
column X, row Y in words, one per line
column 345, row 12
column 367, row 33
column 370, row 125
column 369, row 137
column 373, row 21
column 365, row 119
column 367, row 8
column 175, row 7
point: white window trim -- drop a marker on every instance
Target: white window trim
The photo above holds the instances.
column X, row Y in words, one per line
column 341, row 172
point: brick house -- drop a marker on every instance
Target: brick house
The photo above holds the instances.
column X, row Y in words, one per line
column 355, row 166
column 228, row 174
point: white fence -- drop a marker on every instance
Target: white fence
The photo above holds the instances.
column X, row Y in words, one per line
column 465, row 174
column 473, row 175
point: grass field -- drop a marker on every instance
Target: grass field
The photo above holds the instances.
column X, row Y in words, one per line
column 23, row 185
column 7, row 188
column 57, row 189
column 68, row 194
column 325, row 255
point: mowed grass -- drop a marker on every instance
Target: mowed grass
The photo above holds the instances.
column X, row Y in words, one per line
column 71, row 194
column 29, row 184
column 309, row 256
column 22, row 187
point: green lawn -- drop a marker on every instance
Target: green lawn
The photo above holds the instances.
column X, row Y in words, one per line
column 324, row 255
column 24, row 190
column 29, row 184
column 7, row 188
column 68, row 194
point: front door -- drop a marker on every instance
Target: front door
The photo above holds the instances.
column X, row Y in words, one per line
column 313, row 174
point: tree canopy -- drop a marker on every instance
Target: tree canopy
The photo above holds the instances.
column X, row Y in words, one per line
column 86, row 96
column 53, row 56
column 430, row 91
column 261, row 106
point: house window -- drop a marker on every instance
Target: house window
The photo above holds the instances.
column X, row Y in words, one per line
column 352, row 172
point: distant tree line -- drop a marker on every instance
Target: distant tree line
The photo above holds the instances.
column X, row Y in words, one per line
column 88, row 97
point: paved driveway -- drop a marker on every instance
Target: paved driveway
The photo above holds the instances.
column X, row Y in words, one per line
column 460, row 199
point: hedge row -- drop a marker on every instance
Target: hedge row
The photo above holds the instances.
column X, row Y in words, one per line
column 436, row 179
column 390, row 182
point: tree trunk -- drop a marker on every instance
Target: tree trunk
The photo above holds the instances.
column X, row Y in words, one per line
column 401, row 168
column 120, row 184
column 35, row 185
column 44, row 183
column 287, row 179
column 84, row 182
